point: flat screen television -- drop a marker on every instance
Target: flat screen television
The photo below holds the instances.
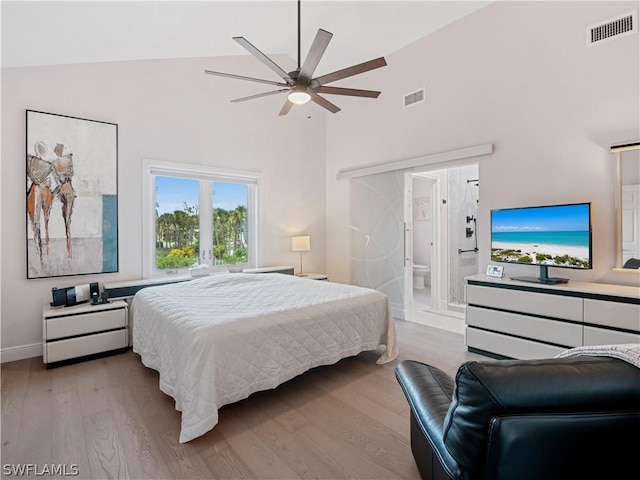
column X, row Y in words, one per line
column 546, row 236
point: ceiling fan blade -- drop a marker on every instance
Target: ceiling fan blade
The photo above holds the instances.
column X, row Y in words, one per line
column 251, row 79
column 351, row 71
column 347, row 91
column 264, row 59
column 323, row 102
column 316, row 51
column 286, row 107
column 259, row 95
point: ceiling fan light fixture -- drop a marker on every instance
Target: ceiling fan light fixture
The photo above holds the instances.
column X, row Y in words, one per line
column 299, row 96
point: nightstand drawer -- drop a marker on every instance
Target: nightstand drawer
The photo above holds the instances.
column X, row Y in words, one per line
column 88, row 345
column 80, row 324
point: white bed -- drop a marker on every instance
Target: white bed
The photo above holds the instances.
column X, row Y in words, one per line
column 218, row 339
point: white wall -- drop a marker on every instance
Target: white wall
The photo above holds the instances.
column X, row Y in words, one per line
column 515, row 74
column 170, row 110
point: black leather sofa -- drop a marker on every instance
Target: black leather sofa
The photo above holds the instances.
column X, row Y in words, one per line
column 561, row 418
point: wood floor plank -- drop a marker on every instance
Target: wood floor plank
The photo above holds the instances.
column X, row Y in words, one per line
column 65, row 378
column 363, row 380
column 183, row 460
column 104, row 449
column 68, row 445
column 223, row 462
column 251, row 449
column 15, row 378
column 273, row 402
column 138, row 443
column 347, row 425
column 294, row 451
column 349, row 460
column 34, row 434
column 92, row 382
column 157, row 408
column 342, row 390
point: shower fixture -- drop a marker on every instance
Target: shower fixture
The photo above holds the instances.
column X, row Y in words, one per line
column 469, row 232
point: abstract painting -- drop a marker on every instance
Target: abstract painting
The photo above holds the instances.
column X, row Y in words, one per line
column 72, row 196
column 422, row 209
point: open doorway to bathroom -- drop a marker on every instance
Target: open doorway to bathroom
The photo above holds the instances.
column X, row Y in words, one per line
column 444, row 244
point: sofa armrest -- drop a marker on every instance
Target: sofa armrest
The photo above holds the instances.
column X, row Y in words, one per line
column 429, row 391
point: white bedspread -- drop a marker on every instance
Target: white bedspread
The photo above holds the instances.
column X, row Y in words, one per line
column 218, row 339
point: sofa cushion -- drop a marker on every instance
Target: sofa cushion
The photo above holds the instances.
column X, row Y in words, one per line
column 484, row 390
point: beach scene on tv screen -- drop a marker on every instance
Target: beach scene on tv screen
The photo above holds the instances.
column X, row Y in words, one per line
column 555, row 236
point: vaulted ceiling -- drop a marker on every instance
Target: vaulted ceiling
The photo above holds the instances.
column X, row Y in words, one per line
column 50, row 33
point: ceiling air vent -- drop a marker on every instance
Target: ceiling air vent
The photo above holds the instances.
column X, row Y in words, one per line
column 413, row 98
column 612, row 28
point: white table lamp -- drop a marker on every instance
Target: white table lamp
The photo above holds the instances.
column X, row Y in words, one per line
column 301, row 243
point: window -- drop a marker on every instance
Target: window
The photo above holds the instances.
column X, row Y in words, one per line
column 177, row 225
column 198, row 215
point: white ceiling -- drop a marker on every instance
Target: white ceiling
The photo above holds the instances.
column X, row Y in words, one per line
column 50, row 32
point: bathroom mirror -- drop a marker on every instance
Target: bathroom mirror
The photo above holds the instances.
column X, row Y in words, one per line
column 627, row 158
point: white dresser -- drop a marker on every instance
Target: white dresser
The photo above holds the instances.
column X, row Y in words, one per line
column 508, row 318
column 81, row 330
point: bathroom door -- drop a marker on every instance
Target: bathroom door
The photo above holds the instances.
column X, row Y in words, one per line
column 377, row 240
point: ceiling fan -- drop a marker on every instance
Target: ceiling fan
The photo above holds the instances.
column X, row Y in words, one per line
column 300, row 84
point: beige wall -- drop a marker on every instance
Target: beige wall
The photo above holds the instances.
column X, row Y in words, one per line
column 169, row 110
column 515, row 74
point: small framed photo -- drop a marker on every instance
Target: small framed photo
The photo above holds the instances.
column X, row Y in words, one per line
column 494, row 271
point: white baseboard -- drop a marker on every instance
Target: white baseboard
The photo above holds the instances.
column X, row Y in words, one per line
column 11, row 354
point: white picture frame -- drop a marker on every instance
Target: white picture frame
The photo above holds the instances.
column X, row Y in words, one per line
column 494, row 271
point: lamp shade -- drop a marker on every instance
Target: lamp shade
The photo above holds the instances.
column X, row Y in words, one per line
column 301, row 243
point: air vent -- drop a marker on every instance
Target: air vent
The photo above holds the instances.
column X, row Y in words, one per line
column 612, row 28
column 413, row 98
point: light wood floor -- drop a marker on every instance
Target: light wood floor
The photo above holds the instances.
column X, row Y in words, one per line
column 108, row 417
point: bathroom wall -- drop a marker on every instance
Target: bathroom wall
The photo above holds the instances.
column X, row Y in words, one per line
column 462, row 199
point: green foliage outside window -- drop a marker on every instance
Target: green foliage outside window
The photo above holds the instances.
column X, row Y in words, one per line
column 177, row 237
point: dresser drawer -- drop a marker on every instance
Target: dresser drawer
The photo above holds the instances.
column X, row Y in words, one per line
column 87, row 345
column 612, row 314
column 551, row 331
column 83, row 323
column 512, row 347
column 602, row 336
column 532, row 303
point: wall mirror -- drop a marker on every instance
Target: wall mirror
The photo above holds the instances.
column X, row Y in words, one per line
column 627, row 158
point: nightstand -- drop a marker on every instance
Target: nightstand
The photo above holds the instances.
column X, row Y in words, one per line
column 82, row 330
column 315, row 276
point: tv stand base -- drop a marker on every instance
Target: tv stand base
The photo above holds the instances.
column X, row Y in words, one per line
column 546, row 281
